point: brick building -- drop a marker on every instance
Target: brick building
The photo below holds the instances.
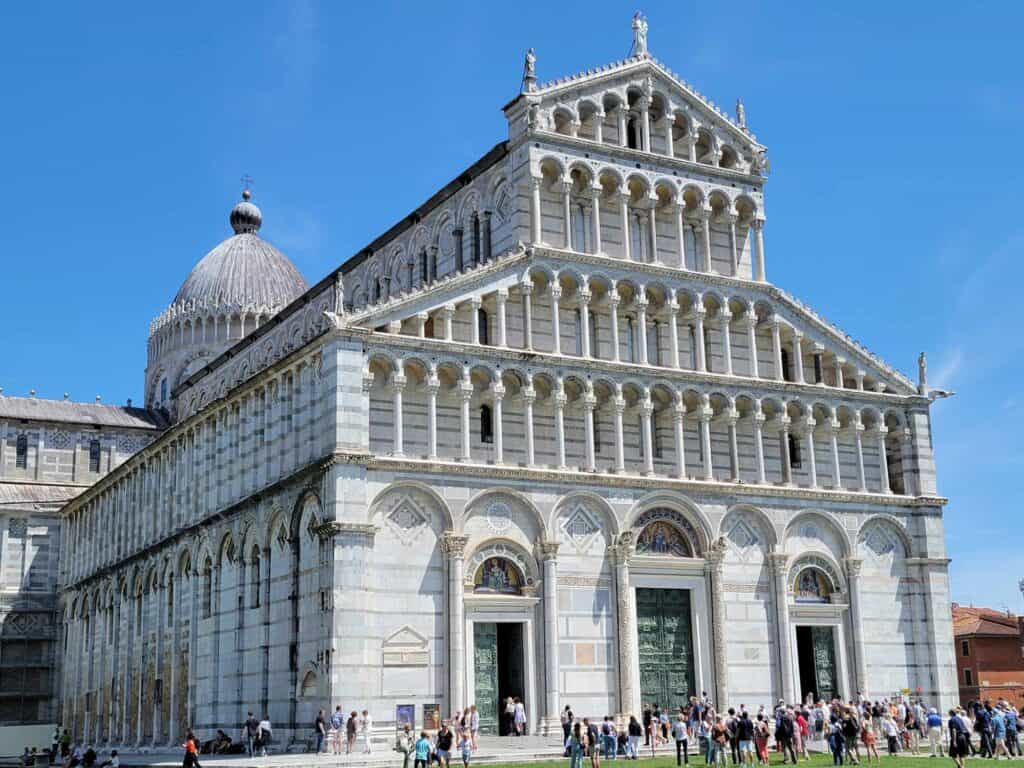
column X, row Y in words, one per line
column 989, row 654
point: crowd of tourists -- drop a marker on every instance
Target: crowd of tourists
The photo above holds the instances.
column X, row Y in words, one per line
column 852, row 732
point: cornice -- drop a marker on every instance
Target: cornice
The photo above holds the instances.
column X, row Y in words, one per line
column 576, row 478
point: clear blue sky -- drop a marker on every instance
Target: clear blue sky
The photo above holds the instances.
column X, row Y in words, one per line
column 893, row 206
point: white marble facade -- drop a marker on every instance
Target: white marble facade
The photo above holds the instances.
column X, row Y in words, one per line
column 568, row 371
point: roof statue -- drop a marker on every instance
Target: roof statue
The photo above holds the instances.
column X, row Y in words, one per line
column 741, row 114
column 922, row 374
column 530, row 72
column 640, row 36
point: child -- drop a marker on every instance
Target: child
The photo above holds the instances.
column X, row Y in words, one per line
column 422, row 751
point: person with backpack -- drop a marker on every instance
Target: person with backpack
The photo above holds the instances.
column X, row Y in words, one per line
column 851, row 730
column 784, row 736
column 633, row 732
column 836, row 741
column 608, row 738
column 731, row 722
column 576, row 746
column 745, row 734
column 337, row 726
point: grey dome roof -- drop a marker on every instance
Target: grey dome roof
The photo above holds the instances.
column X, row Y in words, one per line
column 244, row 269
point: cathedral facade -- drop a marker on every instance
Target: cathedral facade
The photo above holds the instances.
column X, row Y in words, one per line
column 553, row 435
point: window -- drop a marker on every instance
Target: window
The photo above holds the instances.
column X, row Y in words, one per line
column 968, row 677
column 630, row 340
column 693, row 347
column 476, row 238
column 794, row 452
column 94, row 456
column 596, row 424
column 483, row 326
column 254, row 580
column 207, row 602
column 965, row 648
column 433, row 264
column 579, row 229
column 424, row 274
column 577, row 326
column 654, row 344
column 818, row 377
column 785, row 365
column 21, row 452
column 707, row 350
column 633, row 133
column 592, row 319
column 486, row 424
column 170, row 601
column 428, row 328
column 163, row 390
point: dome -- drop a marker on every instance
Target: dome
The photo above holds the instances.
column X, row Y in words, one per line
column 244, row 270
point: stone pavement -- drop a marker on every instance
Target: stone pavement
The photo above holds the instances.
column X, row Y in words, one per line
column 492, row 749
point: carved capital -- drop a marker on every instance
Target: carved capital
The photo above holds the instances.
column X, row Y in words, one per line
column 853, row 567
column 453, row 546
column 548, row 549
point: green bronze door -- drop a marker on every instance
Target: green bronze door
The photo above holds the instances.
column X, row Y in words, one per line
column 485, row 664
column 824, row 662
column 665, row 645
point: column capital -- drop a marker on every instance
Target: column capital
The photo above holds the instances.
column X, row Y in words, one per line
column 448, row 310
column 716, row 552
column 758, row 223
column 798, row 335
column 476, row 301
column 535, row 183
column 398, row 382
column 619, row 404
column 565, row 186
column 679, row 410
column 498, row 391
column 614, row 299
column 724, row 316
column 750, row 318
column 526, row 286
column 453, row 546
column 647, row 406
column 779, row 562
column 433, row 385
column 596, row 191
column 672, row 308
column 699, row 310
column 501, row 295
column 466, row 390
column 555, row 290
column 853, row 567
column 561, row 399
column 583, row 295
column 547, row 549
column 640, row 302
column 529, row 394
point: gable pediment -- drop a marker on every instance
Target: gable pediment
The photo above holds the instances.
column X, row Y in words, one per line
column 640, row 77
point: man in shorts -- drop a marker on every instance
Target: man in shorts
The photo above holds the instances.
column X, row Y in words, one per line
column 745, row 733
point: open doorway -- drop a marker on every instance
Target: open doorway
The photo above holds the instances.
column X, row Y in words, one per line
column 816, row 661
column 499, row 664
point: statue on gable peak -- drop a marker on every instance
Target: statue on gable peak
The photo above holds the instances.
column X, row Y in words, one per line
column 639, row 35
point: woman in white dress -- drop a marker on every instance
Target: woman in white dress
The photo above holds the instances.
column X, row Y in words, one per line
column 519, row 716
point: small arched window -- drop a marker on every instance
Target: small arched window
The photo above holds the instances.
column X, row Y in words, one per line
column 483, row 326
column 424, row 273
column 630, row 340
column 577, row 325
column 486, row 424
column 163, row 390
column 785, row 365
column 94, row 456
column 21, row 452
column 654, row 343
column 476, row 239
column 170, row 601
column 795, row 459
column 254, row 579
column 595, row 420
column 207, row 600
column 633, row 133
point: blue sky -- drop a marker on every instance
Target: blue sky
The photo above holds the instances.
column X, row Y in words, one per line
column 893, row 205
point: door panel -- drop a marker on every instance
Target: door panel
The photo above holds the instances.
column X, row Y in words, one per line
column 485, row 662
column 665, row 646
column 824, row 662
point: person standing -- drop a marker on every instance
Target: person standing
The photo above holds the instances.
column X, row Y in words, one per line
column 719, row 740
column 576, row 746
column 784, row 735
column 959, row 738
column 998, row 733
column 647, row 724
column 608, row 738
column 474, row 724
column 422, row 751
column 404, row 745
column 934, row 724
column 365, row 730
column 891, row 734
column 1012, row 725
column 679, row 734
column 251, row 729
column 566, row 718
column 444, row 745
column 266, row 734
column 320, row 730
column 510, row 716
column 519, row 717
column 351, row 726
column 337, row 729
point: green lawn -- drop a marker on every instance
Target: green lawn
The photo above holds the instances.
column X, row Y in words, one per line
column 816, row 761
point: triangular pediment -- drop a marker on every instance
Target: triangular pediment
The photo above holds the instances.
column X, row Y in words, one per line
column 405, row 638
column 598, row 88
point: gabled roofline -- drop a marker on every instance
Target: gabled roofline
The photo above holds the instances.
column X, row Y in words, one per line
column 624, row 65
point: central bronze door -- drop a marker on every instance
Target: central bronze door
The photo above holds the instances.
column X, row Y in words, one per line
column 665, row 645
column 485, row 665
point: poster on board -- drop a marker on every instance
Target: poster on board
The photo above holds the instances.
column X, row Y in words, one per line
column 405, row 714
